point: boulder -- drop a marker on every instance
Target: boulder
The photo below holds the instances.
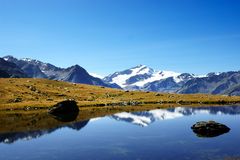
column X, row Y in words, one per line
column 209, row 129
column 65, row 110
column 64, row 107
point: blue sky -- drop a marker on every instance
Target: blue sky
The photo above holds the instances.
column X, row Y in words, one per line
column 104, row 36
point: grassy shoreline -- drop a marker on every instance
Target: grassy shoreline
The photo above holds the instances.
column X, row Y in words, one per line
column 35, row 94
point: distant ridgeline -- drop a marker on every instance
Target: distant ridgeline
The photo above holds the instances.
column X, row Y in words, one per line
column 21, row 68
column 137, row 78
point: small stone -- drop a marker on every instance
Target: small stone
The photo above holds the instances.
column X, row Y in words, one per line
column 17, row 100
column 32, row 88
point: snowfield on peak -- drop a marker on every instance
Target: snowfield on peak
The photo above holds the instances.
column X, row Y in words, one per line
column 158, row 75
column 121, row 79
column 141, row 75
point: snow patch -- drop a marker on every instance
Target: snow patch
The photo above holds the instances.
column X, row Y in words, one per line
column 26, row 59
column 121, row 79
column 159, row 75
column 6, row 59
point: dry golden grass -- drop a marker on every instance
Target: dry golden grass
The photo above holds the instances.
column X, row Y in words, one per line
column 43, row 93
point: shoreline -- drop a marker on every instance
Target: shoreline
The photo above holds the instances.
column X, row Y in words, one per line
column 41, row 94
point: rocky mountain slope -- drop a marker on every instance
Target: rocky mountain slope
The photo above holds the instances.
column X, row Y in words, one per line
column 10, row 70
column 37, row 69
column 223, row 83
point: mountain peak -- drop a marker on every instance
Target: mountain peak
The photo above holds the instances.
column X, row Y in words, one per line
column 9, row 57
column 140, row 65
column 76, row 67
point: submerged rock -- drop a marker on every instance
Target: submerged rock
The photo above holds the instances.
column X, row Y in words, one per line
column 209, row 129
column 65, row 111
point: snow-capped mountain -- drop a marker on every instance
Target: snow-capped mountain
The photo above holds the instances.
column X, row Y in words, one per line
column 142, row 77
column 147, row 79
column 145, row 118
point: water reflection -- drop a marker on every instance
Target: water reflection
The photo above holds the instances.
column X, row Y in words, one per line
column 9, row 138
column 22, row 126
column 16, row 127
column 147, row 117
column 65, row 117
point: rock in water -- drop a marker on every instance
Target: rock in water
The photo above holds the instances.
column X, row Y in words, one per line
column 65, row 110
column 209, row 129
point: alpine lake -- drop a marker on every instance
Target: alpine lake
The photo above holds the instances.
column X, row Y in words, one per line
column 158, row 134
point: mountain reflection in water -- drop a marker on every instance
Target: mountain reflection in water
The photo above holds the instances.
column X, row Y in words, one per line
column 15, row 136
column 147, row 117
column 16, row 127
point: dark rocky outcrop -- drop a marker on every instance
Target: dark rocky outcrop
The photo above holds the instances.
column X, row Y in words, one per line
column 209, row 129
column 77, row 74
column 9, row 69
column 4, row 74
column 63, row 107
column 65, row 111
column 165, row 85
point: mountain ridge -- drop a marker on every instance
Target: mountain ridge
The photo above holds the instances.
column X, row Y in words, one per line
column 140, row 77
column 145, row 78
column 75, row 74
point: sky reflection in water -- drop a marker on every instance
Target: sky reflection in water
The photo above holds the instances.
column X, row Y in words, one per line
column 156, row 134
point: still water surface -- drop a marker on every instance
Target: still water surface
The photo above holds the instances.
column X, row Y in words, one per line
column 162, row 134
